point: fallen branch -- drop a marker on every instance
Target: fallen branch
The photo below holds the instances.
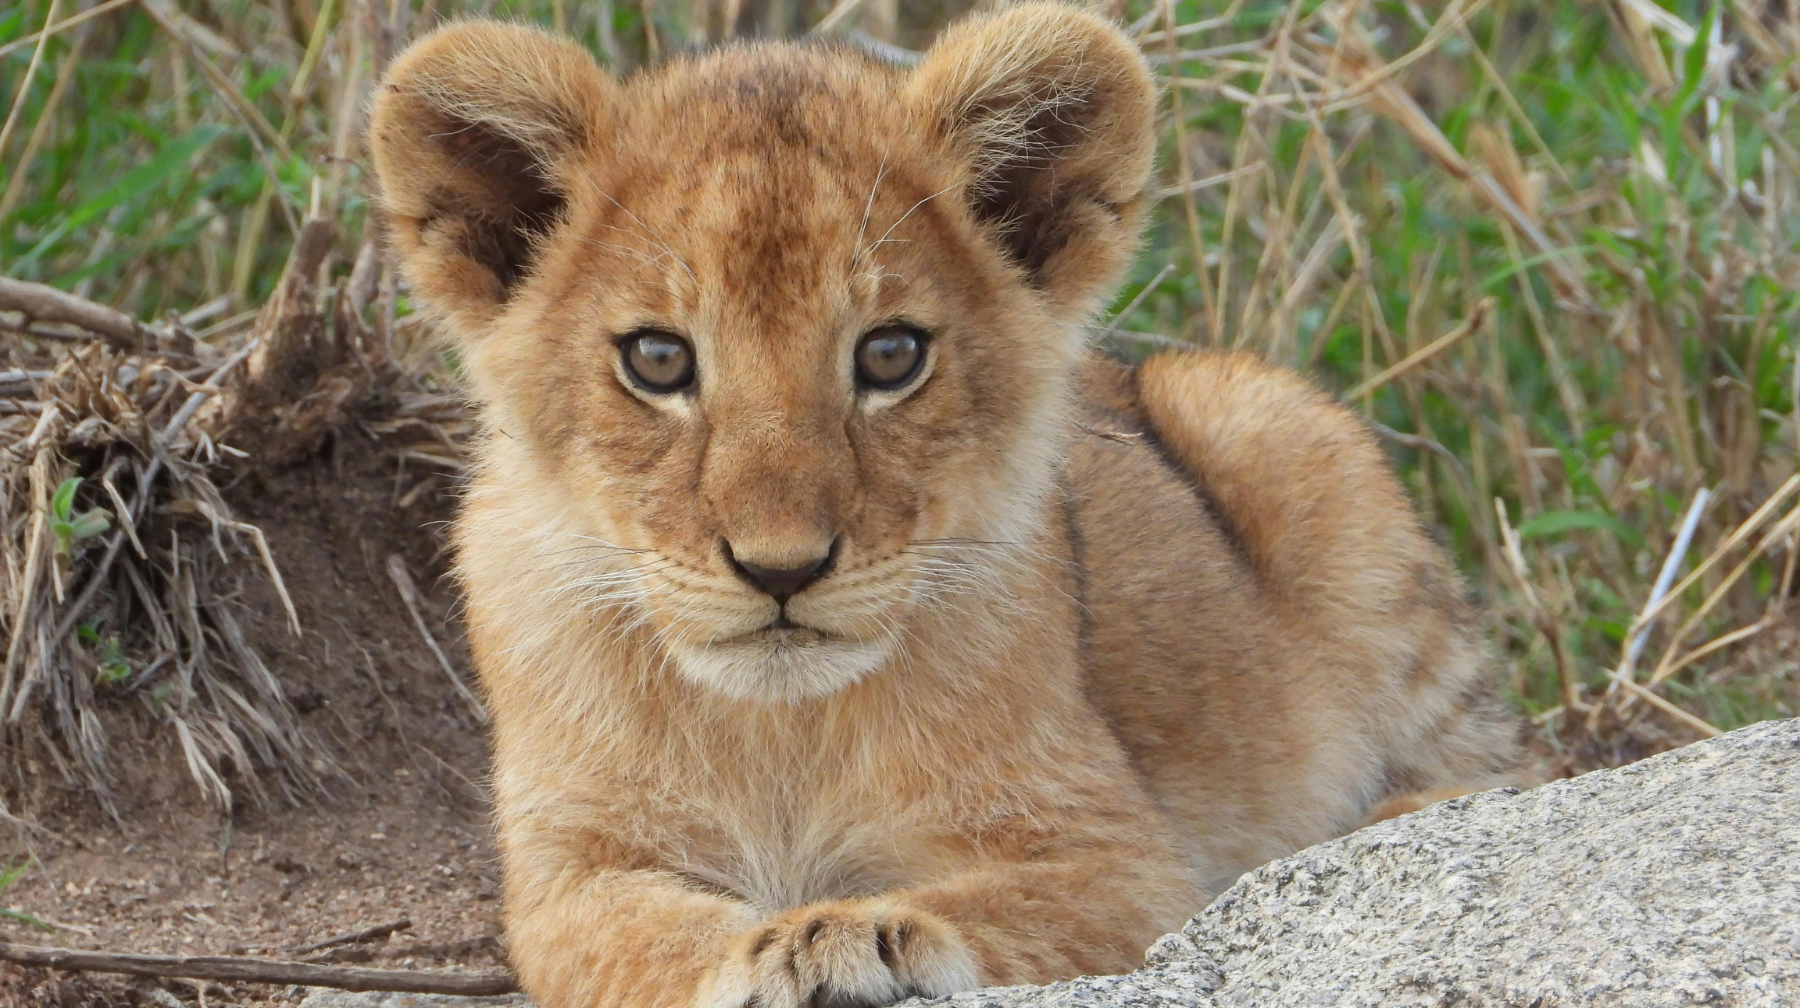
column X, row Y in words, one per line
column 248, row 969
column 42, row 303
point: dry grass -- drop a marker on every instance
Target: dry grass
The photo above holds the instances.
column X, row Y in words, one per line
column 123, row 557
column 1616, row 288
column 129, row 423
column 1549, row 250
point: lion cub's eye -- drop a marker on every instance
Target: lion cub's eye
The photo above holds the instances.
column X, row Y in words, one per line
column 658, row 361
column 889, row 356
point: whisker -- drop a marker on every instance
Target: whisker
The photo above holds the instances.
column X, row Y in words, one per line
column 656, row 237
column 902, row 220
column 868, row 209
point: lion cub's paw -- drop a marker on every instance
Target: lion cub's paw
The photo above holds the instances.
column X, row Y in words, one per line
column 850, row 954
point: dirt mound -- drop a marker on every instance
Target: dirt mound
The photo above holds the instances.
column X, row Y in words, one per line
column 236, row 713
column 402, row 831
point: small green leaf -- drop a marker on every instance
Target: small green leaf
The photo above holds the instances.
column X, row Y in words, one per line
column 25, row 918
column 87, row 633
column 62, row 502
column 9, row 873
column 114, row 669
column 1557, row 522
column 1693, row 63
column 90, row 524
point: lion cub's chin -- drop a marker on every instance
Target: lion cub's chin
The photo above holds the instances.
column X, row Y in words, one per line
column 780, row 667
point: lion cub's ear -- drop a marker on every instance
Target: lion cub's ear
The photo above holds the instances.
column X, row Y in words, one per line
column 1053, row 111
column 472, row 131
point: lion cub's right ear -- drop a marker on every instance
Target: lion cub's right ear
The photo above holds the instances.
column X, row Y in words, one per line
column 472, row 131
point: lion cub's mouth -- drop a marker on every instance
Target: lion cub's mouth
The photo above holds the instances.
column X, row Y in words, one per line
column 784, row 632
column 781, row 662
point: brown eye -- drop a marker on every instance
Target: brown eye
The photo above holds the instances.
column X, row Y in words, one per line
column 658, row 361
column 890, row 356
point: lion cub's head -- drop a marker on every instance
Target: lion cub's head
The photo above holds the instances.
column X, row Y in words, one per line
column 783, row 330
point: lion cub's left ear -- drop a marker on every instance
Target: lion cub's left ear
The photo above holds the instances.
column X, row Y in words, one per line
column 1053, row 111
column 473, row 131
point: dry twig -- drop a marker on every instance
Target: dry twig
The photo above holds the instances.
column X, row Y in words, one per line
column 409, row 594
column 249, row 969
column 42, row 303
column 356, row 937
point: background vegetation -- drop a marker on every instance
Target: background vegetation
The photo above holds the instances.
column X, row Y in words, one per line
column 1548, row 248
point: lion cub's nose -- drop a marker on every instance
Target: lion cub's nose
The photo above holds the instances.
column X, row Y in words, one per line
column 782, row 583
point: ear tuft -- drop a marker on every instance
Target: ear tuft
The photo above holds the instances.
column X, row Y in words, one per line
column 471, row 131
column 1053, row 111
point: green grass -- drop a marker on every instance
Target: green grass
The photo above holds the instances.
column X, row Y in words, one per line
column 10, row 873
column 1644, row 288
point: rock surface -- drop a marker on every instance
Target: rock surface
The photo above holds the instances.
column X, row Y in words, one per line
column 1673, row 881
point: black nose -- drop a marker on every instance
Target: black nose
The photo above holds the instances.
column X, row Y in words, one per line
column 782, row 583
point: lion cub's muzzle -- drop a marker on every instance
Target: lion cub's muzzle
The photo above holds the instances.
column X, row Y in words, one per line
column 790, row 658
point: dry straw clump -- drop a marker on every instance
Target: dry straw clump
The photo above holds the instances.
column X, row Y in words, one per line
column 123, row 558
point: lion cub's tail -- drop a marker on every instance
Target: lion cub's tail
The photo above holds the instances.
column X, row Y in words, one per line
column 1301, row 484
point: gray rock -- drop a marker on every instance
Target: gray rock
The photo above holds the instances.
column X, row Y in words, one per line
column 1673, row 881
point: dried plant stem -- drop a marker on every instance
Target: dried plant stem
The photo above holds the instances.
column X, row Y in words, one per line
column 1664, row 577
column 1665, row 667
column 15, row 185
column 1453, row 18
column 1540, row 616
column 1513, row 107
column 1477, row 317
column 247, row 969
column 1138, row 299
column 409, row 595
column 1190, row 213
column 1239, row 159
column 842, row 14
column 1700, row 725
column 37, row 57
column 250, row 238
column 64, row 25
column 356, row 937
column 1738, row 535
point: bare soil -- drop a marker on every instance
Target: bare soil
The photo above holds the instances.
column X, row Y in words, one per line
column 404, row 831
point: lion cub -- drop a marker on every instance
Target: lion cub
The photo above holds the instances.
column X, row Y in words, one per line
column 851, row 630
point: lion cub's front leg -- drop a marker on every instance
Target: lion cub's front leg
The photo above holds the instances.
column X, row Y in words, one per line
column 1089, row 908
column 584, row 936
column 1028, row 910
column 841, row 954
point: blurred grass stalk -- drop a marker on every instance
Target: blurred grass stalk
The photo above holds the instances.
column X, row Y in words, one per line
column 1549, row 249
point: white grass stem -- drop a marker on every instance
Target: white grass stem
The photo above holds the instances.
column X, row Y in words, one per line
column 1666, row 577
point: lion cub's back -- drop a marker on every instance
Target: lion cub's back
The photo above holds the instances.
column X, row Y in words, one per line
column 1276, row 641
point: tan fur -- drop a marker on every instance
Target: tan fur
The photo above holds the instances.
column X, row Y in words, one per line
column 1095, row 639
